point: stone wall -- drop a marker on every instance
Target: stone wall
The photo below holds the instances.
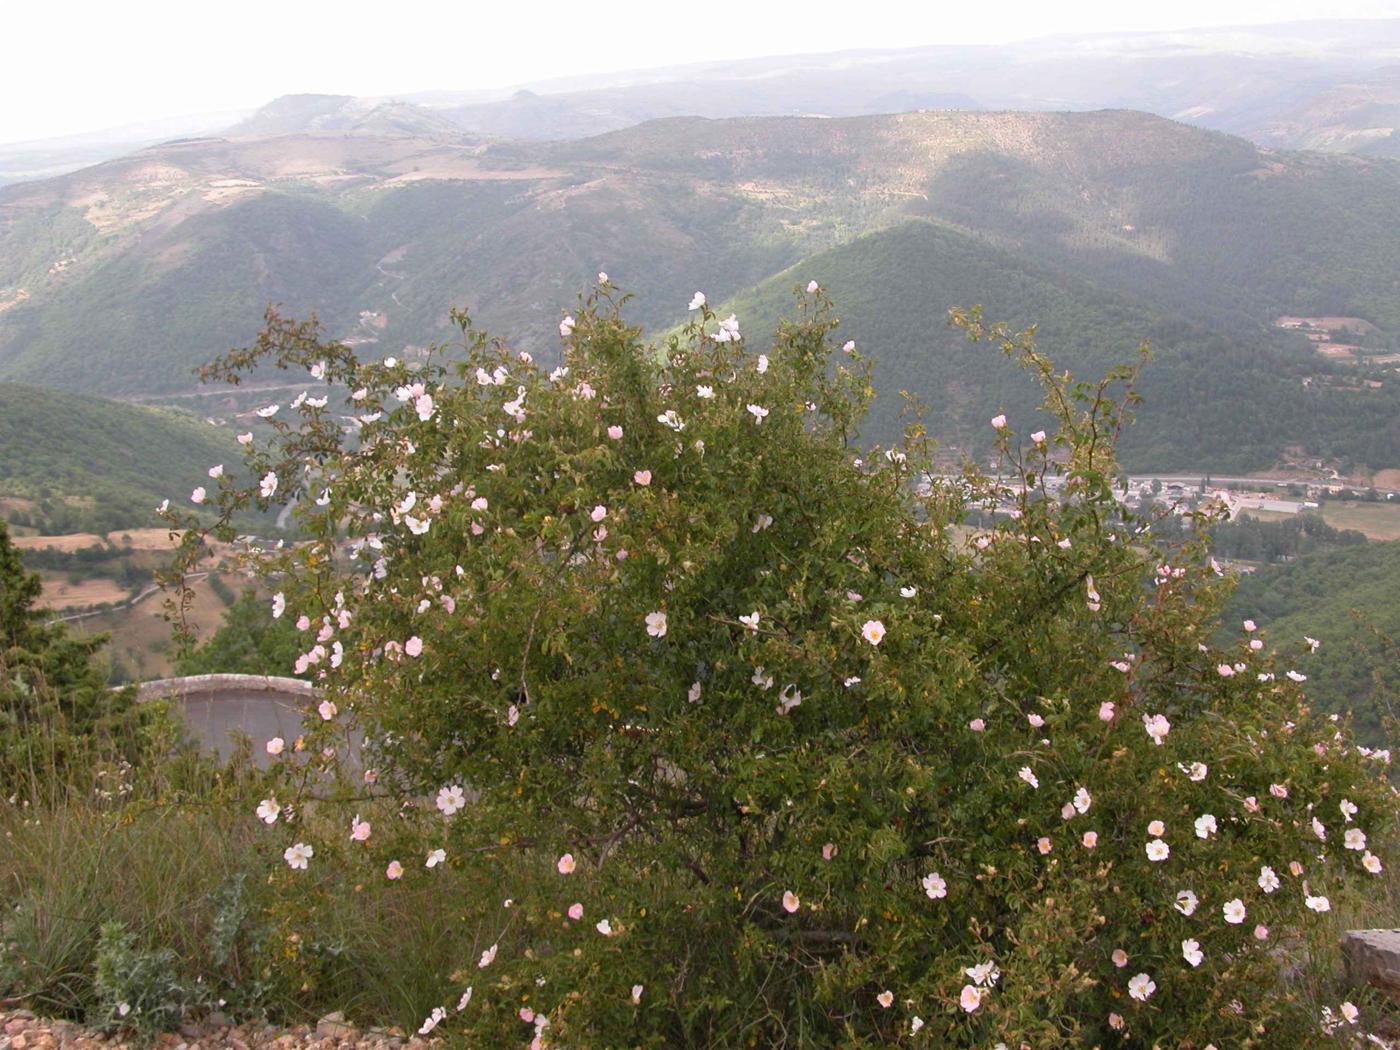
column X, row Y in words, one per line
column 1373, row 957
column 220, row 707
column 215, row 683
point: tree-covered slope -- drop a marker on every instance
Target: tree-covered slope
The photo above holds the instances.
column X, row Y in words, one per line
column 1349, row 600
column 1115, row 226
column 1199, row 221
column 1230, row 402
column 516, row 254
column 116, row 461
column 380, row 236
column 144, row 318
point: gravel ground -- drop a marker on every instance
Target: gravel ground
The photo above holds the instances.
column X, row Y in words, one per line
column 21, row 1030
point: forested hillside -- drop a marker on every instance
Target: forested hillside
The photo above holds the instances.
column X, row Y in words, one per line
column 1230, row 402
column 1349, row 600
column 74, row 463
column 1107, row 228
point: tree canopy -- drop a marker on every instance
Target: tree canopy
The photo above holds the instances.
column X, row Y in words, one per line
column 54, row 700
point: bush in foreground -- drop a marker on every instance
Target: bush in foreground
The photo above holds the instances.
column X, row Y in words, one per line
column 749, row 743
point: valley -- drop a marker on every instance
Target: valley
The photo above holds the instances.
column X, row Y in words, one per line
column 169, row 257
column 1261, row 278
column 75, row 463
column 895, row 546
column 1271, row 362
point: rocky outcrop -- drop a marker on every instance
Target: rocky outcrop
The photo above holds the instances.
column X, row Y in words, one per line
column 1373, row 957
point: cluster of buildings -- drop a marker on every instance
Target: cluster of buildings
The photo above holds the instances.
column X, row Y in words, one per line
column 1183, row 493
column 1336, row 338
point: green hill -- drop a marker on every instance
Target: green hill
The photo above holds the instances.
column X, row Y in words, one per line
column 131, row 322
column 1207, row 398
column 1348, row 599
column 87, row 464
column 1199, row 222
column 1105, row 227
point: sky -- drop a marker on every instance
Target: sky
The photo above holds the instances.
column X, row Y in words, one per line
column 82, row 66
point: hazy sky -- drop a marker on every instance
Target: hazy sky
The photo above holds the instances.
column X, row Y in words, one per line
column 80, row 66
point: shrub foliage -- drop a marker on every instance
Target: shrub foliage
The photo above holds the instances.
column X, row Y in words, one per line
column 755, row 743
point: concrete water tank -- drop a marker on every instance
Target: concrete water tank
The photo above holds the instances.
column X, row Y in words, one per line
column 220, row 707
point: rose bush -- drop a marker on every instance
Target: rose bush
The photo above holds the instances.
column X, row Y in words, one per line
column 751, row 741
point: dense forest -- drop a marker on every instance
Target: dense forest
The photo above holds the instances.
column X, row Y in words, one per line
column 1230, row 400
column 1254, row 540
column 82, row 464
column 248, row 641
column 1348, row 598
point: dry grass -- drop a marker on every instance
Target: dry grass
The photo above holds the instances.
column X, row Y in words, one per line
column 145, row 539
column 140, row 638
column 61, row 594
column 1377, row 521
column 164, row 871
column 1386, row 479
column 127, row 539
column 72, row 541
column 68, row 870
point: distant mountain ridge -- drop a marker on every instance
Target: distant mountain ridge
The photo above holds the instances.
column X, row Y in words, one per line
column 303, row 114
column 1275, row 84
column 124, row 277
column 1315, row 85
column 1354, row 115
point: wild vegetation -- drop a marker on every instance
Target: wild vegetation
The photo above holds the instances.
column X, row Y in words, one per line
column 249, row 640
column 1251, row 540
column 722, row 721
column 1345, row 598
column 55, row 707
column 677, row 687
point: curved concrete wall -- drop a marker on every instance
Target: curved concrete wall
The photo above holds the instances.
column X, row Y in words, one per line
column 216, row 683
column 220, row 707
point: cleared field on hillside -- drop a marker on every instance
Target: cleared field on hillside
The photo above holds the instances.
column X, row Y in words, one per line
column 156, row 539
column 60, row 594
column 72, row 541
column 1377, row 521
column 130, row 539
column 1386, row 479
column 140, row 639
